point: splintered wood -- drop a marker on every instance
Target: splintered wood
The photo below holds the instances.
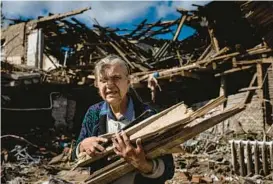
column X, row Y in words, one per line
column 176, row 114
column 160, row 133
column 155, row 149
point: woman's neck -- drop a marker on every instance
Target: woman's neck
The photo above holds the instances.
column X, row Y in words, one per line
column 120, row 109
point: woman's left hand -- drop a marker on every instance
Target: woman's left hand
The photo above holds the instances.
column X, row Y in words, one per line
column 135, row 156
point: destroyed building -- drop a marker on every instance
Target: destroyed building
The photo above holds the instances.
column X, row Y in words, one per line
column 47, row 65
column 221, row 57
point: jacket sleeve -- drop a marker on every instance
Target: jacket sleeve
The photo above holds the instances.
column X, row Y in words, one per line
column 87, row 129
column 167, row 174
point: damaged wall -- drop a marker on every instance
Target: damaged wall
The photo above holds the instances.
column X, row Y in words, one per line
column 14, row 37
column 249, row 120
column 63, row 112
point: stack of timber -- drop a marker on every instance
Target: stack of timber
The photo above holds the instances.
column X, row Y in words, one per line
column 160, row 133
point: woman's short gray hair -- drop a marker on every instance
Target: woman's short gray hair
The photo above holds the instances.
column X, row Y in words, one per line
column 109, row 61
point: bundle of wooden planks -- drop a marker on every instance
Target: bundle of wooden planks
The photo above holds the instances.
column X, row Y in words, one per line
column 160, row 133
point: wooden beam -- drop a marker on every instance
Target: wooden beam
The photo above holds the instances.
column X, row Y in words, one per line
column 222, row 92
column 60, row 16
column 205, row 52
column 260, row 92
column 250, row 88
column 214, row 40
column 178, row 30
column 232, row 71
column 182, row 73
column 249, row 52
column 268, row 60
column 123, row 56
column 249, row 94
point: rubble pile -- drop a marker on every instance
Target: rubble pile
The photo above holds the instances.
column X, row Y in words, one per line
column 207, row 159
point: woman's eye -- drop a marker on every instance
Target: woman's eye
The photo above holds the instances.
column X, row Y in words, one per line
column 102, row 80
column 116, row 78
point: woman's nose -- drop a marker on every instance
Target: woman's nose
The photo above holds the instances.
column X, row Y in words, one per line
column 109, row 82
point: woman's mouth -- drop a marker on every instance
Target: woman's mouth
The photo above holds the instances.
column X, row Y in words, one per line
column 111, row 93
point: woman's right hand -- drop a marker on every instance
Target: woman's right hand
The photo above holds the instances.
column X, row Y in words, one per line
column 91, row 145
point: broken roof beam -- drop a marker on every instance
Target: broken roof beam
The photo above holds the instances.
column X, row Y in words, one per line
column 162, row 51
column 178, row 30
column 139, row 27
column 249, row 52
column 268, row 60
column 61, row 16
column 160, row 31
column 232, row 70
column 80, row 23
column 146, row 31
column 166, row 23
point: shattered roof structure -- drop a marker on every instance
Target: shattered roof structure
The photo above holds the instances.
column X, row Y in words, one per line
column 240, row 43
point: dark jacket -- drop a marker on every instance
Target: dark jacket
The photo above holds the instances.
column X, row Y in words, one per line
column 94, row 124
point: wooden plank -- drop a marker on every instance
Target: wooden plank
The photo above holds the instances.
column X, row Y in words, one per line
column 156, row 148
column 174, row 117
column 130, row 131
column 192, row 129
column 249, row 94
column 255, row 61
column 61, row 16
column 250, row 88
column 156, row 129
column 233, row 70
column 178, row 30
column 260, row 92
column 206, row 51
column 214, row 40
column 248, row 52
column 181, row 73
column 122, row 55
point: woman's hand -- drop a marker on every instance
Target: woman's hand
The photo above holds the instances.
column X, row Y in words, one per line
column 135, row 156
column 91, row 146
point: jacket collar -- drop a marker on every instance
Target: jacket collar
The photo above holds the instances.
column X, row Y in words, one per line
column 137, row 106
column 129, row 115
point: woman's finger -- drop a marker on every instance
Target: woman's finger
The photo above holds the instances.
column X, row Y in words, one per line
column 116, row 145
column 126, row 139
column 89, row 152
column 120, row 141
column 100, row 139
column 139, row 145
column 99, row 147
column 117, row 152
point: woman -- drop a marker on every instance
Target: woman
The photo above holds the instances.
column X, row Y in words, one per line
column 119, row 109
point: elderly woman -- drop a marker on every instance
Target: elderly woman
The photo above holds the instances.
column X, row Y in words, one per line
column 119, row 109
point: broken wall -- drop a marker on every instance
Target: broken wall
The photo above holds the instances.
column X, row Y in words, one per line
column 14, row 37
column 249, row 120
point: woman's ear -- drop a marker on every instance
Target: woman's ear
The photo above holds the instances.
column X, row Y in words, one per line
column 129, row 80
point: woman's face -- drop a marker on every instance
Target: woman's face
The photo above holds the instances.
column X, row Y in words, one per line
column 113, row 84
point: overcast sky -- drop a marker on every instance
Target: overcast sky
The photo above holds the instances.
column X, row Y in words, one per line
column 108, row 13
